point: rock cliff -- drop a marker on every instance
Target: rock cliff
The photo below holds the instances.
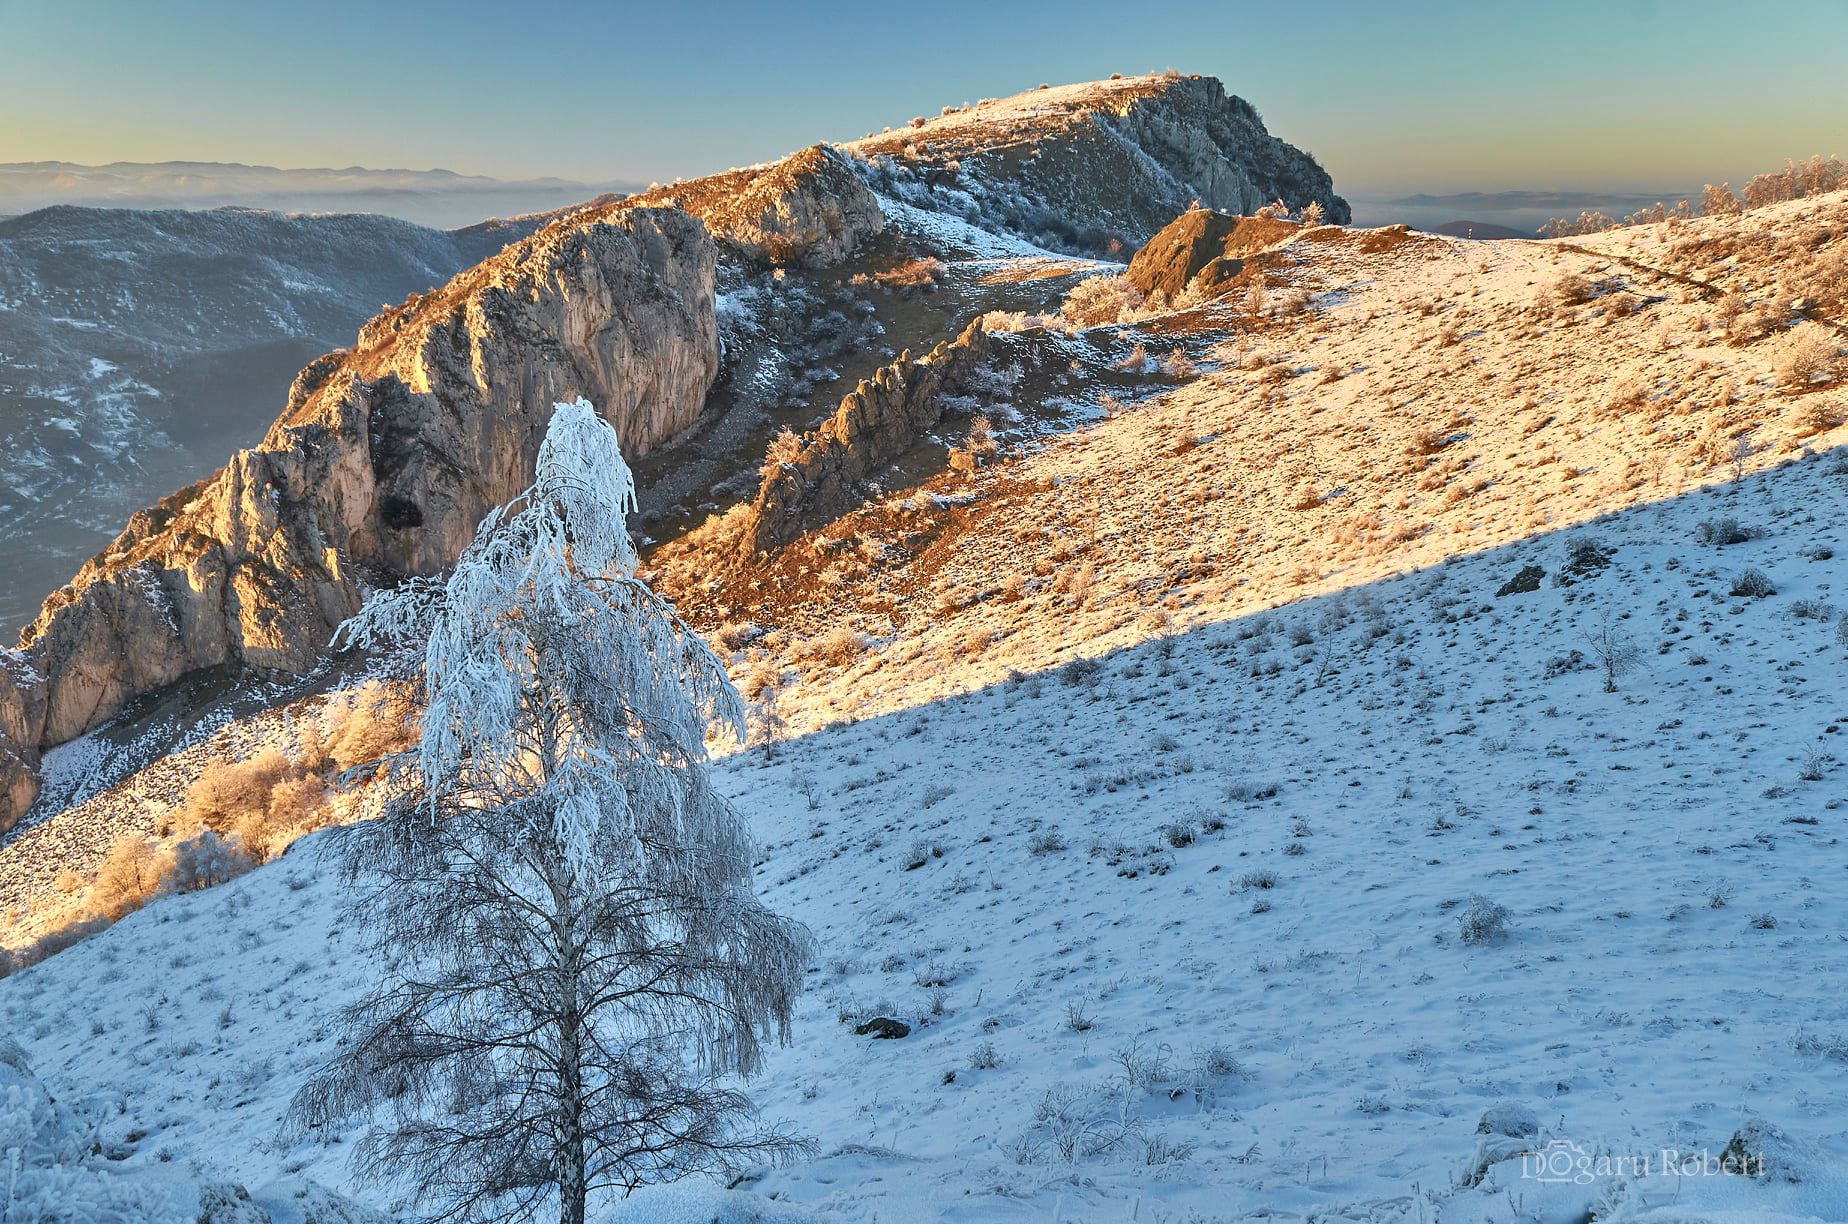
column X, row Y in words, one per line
column 811, row 209
column 876, row 422
column 1105, row 161
column 384, row 460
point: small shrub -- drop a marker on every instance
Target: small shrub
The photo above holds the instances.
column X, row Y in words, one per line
column 1483, row 922
column 1810, row 353
column 1100, row 300
column 1217, row 1062
column 1245, row 790
column 1178, row 835
column 1752, row 584
column 837, row 647
column 1046, row 841
column 1723, row 531
column 1572, row 290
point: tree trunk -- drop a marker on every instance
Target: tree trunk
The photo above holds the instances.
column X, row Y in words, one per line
column 571, row 1189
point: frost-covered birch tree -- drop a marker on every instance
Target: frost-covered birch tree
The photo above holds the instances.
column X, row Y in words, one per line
column 574, row 968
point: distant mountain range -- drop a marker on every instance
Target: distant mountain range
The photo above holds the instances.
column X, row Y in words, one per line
column 1476, row 229
column 429, row 197
column 1517, row 213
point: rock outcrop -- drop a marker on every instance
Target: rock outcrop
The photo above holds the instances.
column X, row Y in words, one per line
column 1100, row 162
column 810, row 209
column 1217, row 144
column 385, row 459
column 1203, row 250
column 879, row 420
column 130, row 343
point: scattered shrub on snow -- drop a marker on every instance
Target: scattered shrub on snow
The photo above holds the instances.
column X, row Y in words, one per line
column 1723, row 531
column 1483, row 922
column 1752, row 584
column 1046, row 841
column 1810, row 353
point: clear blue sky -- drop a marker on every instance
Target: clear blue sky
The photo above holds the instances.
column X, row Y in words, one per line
column 1391, row 96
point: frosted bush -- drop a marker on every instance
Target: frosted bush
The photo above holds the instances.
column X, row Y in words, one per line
column 1483, row 922
column 1810, row 353
column 1100, row 300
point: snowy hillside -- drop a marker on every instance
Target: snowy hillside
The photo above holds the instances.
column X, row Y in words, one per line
column 1305, row 776
column 1235, row 868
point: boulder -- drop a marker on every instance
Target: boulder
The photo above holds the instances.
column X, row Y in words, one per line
column 882, row 1028
column 1761, row 1151
column 1169, row 261
column 1203, row 250
column 1523, row 583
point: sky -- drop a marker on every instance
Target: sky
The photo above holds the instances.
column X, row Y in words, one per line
column 1400, row 97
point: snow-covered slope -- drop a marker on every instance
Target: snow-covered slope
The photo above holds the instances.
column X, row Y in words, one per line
column 1244, row 854
column 1227, row 792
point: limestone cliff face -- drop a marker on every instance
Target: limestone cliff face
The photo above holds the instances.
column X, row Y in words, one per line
column 1100, row 161
column 384, row 460
column 1218, row 145
column 876, row 422
column 811, row 209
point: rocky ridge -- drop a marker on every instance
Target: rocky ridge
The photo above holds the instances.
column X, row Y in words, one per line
column 876, row 422
column 810, row 209
column 388, row 453
column 1107, row 162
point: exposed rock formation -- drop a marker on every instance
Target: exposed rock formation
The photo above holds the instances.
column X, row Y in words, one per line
column 809, row 210
column 876, row 423
column 388, row 454
column 1217, row 144
column 384, row 461
column 1203, row 249
column 1107, row 159
column 138, row 349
